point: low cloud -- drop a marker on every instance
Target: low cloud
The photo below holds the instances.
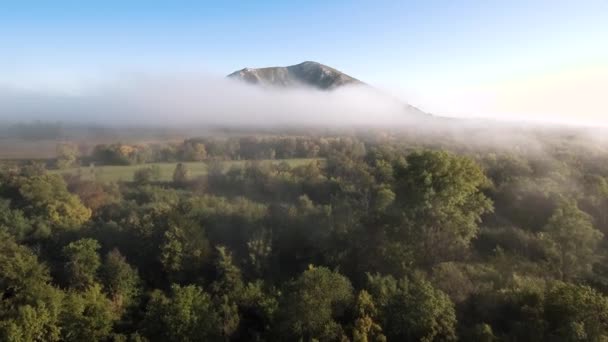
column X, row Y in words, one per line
column 153, row 100
column 201, row 102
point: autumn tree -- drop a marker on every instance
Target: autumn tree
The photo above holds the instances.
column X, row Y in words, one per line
column 193, row 150
column 67, row 155
column 366, row 327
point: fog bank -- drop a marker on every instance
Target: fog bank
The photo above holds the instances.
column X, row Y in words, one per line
column 169, row 100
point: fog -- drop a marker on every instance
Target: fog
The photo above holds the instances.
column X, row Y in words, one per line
column 177, row 100
column 206, row 102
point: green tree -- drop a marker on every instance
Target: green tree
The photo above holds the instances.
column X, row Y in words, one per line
column 412, row 310
column 536, row 311
column 314, row 304
column 181, row 175
column 193, row 150
column 383, row 198
column 595, row 199
column 30, row 306
column 572, row 240
column 366, row 329
column 228, row 314
column 14, row 221
column 257, row 309
column 185, row 247
column 229, row 280
column 146, row 175
column 186, row 316
column 442, row 202
column 45, row 200
column 82, row 263
column 120, row 280
column 87, row 315
column 575, row 313
column 228, row 289
column 453, row 280
column 514, row 313
column 482, row 332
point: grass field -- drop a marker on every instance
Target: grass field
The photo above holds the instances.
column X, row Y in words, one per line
column 125, row 173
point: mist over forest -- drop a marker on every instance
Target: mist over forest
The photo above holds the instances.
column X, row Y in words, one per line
column 170, row 106
column 167, row 173
column 265, row 223
column 181, row 101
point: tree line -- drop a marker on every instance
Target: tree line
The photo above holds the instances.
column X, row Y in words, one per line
column 70, row 154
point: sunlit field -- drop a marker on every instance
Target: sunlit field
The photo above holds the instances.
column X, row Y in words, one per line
column 116, row 173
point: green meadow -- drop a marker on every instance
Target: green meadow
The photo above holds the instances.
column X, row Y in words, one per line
column 116, row 173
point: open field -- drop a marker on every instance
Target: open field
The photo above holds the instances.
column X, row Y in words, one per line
column 125, row 173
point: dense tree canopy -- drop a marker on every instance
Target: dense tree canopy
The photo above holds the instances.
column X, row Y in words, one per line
column 376, row 237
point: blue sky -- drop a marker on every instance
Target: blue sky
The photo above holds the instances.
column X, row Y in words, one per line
column 425, row 49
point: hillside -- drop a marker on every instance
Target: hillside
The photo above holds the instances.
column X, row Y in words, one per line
column 311, row 74
column 314, row 75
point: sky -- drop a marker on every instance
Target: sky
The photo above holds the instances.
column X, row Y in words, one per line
column 534, row 59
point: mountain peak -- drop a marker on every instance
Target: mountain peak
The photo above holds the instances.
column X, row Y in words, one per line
column 312, row 64
column 308, row 73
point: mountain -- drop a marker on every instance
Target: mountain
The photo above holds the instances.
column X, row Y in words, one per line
column 310, row 74
column 316, row 75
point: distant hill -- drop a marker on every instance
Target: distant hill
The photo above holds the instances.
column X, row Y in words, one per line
column 315, row 75
column 310, row 74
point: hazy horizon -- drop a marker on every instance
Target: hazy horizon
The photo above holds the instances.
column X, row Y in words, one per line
column 538, row 62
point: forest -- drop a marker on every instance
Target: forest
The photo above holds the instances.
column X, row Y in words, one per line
column 382, row 236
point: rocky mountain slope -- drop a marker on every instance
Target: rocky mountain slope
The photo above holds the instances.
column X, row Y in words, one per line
column 310, row 74
column 314, row 75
